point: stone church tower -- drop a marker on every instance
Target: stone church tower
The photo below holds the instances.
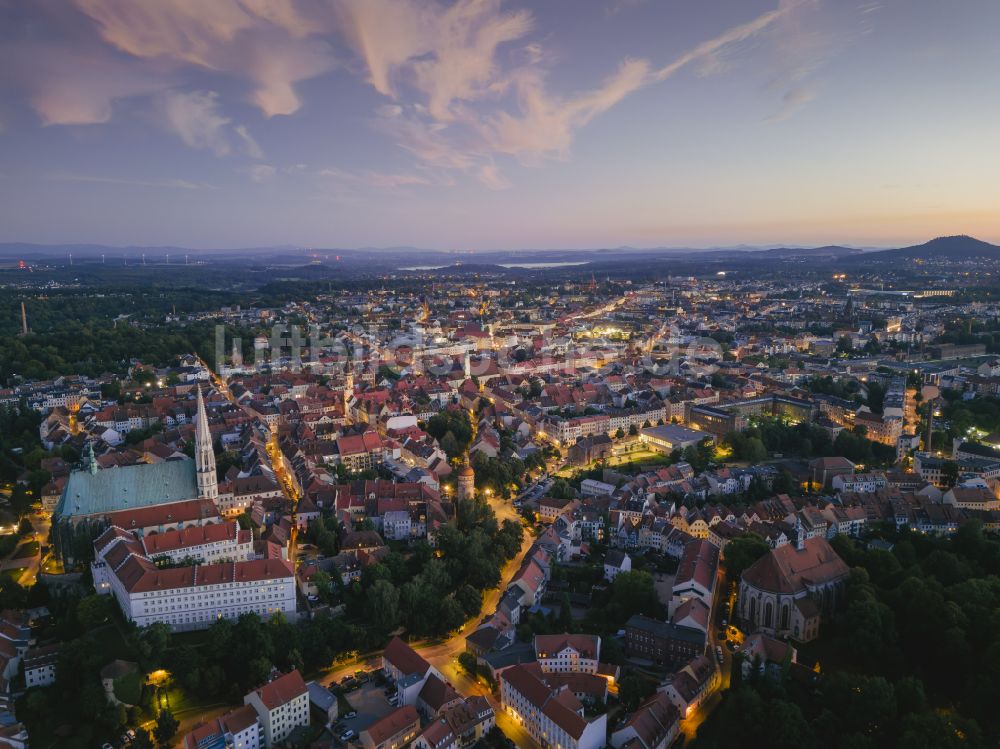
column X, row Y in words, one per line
column 466, row 483
column 204, row 455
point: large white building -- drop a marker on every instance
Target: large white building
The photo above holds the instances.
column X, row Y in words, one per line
column 205, row 544
column 188, row 597
column 552, row 716
column 568, row 654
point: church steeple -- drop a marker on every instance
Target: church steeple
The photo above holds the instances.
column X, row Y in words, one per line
column 204, row 455
column 89, row 461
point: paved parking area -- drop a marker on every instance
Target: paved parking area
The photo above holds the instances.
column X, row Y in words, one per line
column 369, row 703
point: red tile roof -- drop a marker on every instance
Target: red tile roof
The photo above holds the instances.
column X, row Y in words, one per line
column 788, row 569
column 282, row 690
column 195, row 535
column 405, row 659
column 548, row 646
column 396, row 722
column 140, row 576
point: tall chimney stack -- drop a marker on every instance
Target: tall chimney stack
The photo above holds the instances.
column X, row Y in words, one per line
column 24, row 320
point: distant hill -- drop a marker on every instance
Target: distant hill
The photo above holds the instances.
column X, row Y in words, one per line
column 829, row 251
column 960, row 247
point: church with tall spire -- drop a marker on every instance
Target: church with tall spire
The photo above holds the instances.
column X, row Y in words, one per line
column 96, row 494
column 204, row 455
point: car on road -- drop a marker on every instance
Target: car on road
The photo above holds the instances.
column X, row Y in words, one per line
column 352, row 714
column 106, row 745
column 347, row 735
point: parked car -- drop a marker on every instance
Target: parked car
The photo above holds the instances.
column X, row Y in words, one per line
column 352, row 714
column 347, row 735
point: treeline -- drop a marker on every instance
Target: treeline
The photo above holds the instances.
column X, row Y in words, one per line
column 430, row 591
column 982, row 413
column 21, row 452
column 452, row 428
column 92, row 348
column 807, row 441
column 227, row 662
column 913, row 658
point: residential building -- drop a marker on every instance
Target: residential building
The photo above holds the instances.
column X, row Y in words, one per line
column 396, row 730
column 654, row 725
column 406, row 669
column 237, row 729
column 696, row 574
column 552, row 716
column 568, row 653
column 662, row 643
column 40, row 666
column 615, row 562
column 692, row 685
column 282, row 705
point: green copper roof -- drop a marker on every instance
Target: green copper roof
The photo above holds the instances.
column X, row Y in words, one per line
column 127, row 487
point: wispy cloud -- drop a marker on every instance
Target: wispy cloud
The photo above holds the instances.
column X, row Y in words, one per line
column 808, row 39
column 467, row 85
column 68, row 85
column 373, row 179
column 791, row 101
column 195, row 117
column 261, row 173
column 253, row 149
column 464, row 120
column 174, row 184
column 269, row 42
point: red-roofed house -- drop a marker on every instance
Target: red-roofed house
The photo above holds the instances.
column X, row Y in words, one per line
column 282, row 705
column 238, row 728
column 654, row 725
column 397, row 729
column 407, row 669
column 552, row 716
column 568, row 653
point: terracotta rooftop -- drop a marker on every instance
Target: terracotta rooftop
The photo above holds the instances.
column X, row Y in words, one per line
column 789, row 570
column 282, row 690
